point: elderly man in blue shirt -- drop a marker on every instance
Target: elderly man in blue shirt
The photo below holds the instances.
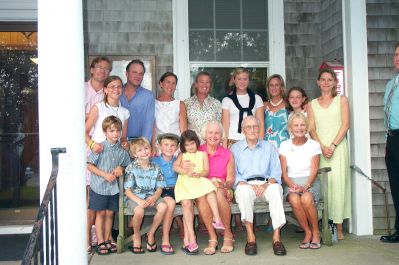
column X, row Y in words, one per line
column 139, row 101
column 258, row 178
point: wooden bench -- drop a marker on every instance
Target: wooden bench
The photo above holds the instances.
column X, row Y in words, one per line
column 260, row 207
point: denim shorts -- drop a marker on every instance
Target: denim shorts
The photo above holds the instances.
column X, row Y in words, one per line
column 168, row 192
column 100, row 202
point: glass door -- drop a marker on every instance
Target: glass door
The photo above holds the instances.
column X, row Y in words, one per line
column 19, row 125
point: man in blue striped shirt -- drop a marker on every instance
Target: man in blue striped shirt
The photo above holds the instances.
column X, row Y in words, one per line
column 258, row 178
column 106, row 167
column 391, row 109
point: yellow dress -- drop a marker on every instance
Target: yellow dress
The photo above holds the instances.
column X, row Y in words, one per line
column 328, row 122
column 188, row 188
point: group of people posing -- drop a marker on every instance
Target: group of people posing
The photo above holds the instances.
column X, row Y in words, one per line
column 208, row 153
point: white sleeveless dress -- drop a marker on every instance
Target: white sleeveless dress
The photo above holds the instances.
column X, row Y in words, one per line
column 167, row 116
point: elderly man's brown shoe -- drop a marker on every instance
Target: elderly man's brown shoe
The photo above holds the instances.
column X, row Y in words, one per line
column 251, row 248
column 279, row 249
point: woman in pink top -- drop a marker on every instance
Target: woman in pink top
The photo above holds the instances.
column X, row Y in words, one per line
column 221, row 172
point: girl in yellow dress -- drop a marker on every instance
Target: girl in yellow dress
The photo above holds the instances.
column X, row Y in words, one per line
column 193, row 169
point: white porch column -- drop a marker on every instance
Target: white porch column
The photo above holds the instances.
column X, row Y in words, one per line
column 356, row 67
column 276, row 38
column 61, row 117
column 181, row 63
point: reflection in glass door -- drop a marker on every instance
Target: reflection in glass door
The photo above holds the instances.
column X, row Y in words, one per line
column 19, row 125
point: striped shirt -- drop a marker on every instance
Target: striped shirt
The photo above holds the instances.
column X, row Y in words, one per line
column 144, row 181
column 112, row 156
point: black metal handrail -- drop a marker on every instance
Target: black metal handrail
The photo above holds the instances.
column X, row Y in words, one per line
column 381, row 188
column 49, row 215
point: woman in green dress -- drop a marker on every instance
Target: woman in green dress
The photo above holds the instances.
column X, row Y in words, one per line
column 329, row 123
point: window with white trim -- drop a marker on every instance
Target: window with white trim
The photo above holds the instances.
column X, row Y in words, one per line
column 225, row 34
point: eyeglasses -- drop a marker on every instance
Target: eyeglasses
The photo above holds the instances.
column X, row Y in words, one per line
column 114, row 87
column 253, row 127
column 105, row 69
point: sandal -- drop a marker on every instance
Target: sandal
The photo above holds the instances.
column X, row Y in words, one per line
column 218, row 225
column 304, row 245
column 227, row 249
column 102, row 249
column 151, row 247
column 315, row 245
column 167, row 249
column 211, row 250
column 111, row 246
column 136, row 250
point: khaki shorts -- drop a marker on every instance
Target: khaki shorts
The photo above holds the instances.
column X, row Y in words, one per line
column 131, row 205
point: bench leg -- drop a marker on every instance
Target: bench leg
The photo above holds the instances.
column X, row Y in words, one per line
column 325, row 232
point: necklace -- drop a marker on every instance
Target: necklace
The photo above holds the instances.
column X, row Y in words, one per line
column 276, row 104
column 115, row 110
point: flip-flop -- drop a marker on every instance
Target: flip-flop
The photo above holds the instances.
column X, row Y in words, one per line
column 151, row 247
column 190, row 249
column 304, row 245
column 315, row 245
column 136, row 250
column 167, row 249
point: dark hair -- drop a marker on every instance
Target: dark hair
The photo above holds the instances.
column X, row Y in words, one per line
column 300, row 90
column 188, row 136
column 334, row 76
column 100, row 59
column 135, row 61
column 110, row 121
column 108, row 80
column 167, row 74
column 397, row 45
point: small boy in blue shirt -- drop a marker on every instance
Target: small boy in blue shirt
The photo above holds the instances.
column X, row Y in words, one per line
column 143, row 188
column 168, row 144
column 106, row 167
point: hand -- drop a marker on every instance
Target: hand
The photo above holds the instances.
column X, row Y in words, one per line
column 97, row 148
column 296, row 189
column 142, row 203
column 217, row 183
column 125, row 144
column 109, row 177
column 151, row 200
column 187, row 165
column 118, row 171
column 229, row 195
column 327, row 152
column 259, row 189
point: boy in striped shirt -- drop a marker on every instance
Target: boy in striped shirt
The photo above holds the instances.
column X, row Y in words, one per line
column 106, row 167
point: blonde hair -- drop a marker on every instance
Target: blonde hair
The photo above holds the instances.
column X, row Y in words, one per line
column 297, row 115
column 137, row 143
column 282, row 85
column 204, row 128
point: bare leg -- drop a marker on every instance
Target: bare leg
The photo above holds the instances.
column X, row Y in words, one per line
column 205, row 212
column 100, row 224
column 188, row 220
column 340, row 233
column 158, row 217
column 225, row 214
column 168, row 219
column 250, row 232
column 308, row 205
column 300, row 215
column 135, row 222
column 212, row 201
column 109, row 218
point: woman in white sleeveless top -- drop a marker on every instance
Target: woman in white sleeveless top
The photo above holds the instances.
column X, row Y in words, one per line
column 170, row 113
